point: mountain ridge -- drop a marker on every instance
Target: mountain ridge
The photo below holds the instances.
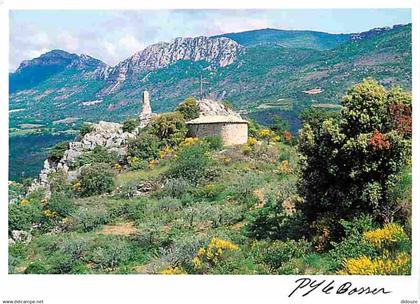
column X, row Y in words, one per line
column 171, row 71
column 217, row 51
column 263, row 80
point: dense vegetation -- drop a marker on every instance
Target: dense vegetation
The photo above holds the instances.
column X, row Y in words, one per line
column 275, row 205
column 284, row 63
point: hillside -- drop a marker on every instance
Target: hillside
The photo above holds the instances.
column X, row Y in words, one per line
column 289, row 38
column 262, row 73
column 145, row 198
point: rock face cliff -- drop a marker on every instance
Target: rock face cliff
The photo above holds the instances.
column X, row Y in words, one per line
column 219, row 52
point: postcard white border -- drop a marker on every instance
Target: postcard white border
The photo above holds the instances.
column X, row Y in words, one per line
column 189, row 289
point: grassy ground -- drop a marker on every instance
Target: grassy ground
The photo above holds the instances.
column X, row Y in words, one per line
column 155, row 222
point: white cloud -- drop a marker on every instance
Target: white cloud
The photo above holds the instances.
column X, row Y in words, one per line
column 67, row 41
column 112, row 36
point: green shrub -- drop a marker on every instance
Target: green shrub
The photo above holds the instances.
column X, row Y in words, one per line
column 61, row 263
column 144, row 147
column 242, row 188
column 272, row 221
column 132, row 210
column 109, row 253
column 56, row 152
column 176, row 187
column 182, row 250
column 170, row 128
column 99, row 154
column 193, row 164
column 37, row 196
column 210, row 191
column 23, row 216
column 279, row 125
column 215, row 142
column 85, row 129
column 88, row 219
column 253, row 128
column 189, row 108
column 130, row 124
column 58, row 181
column 16, row 191
column 278, row 253
column 37, row 267
column 233, row 214
column 128, row 191
column 96, row 179
column 61, row 203
column 17, row 254
column 76, row 246
column 168, row 204
column 227, row 104
column 352, row 245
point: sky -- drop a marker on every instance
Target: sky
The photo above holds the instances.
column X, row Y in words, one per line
column 112, row 36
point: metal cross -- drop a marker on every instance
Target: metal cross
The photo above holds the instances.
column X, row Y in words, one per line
column 201, row 85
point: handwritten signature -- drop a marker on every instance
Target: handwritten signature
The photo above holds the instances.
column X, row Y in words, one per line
column 306, row 286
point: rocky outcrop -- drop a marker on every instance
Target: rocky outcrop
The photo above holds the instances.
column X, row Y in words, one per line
column 111, row 136
column 20, row 236
column 210, row 107
column 107, row 134
column 220, row 52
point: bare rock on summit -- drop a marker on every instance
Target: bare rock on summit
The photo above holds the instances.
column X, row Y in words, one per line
column 219, row 52
column 210, row 107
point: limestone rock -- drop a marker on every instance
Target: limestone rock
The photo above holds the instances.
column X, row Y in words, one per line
column 218, row 51
column 21, row 236
column 210, row 107
column 107, row 134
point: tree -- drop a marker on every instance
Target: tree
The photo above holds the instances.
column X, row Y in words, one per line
column 189, row 108
column 170, row 128
column 350, row 165
column 56, row 152
column 96, row 179
column 278, row 125
column 130, row 124
column 85, row 129
column 193, row 163
column 145, row 146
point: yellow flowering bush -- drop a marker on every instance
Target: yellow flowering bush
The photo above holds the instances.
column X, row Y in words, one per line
column 276, row 138
column 77, row 186
column 173, row 270
column 134, row 161
column 378, row 266
column 117, row 167
column 251, row 141
column 212, row 254
column 227, row 161
column 189, row 141
column 24, row 202
column 284, row 167
column 152, row 164
column 197, row 262
column 394, row 259
column 387, row 237
column 264, row 133
column 165, row 153
column 210, row 191
column 48, row 213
